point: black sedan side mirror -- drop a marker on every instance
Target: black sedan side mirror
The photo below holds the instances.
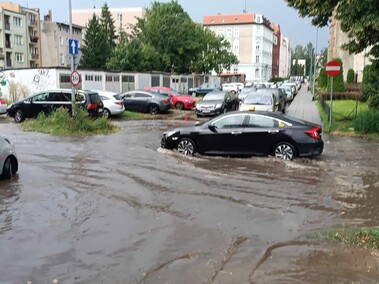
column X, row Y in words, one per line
column 212, row 128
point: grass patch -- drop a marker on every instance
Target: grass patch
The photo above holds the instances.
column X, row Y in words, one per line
column 60, row 122
column 361, row 237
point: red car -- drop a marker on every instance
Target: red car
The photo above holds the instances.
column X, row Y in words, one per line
column 178, row 101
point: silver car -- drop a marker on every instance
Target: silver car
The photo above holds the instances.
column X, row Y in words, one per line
column 3, row 106
column 8, row 159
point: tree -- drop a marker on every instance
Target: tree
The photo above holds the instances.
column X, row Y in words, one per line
column 338, row 84
column 108, row 28
column 350, row 76
column 93, row 55
column 322, row 78
column 358, row 18
column 370, row 86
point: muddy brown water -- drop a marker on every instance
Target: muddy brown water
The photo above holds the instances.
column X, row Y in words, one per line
column 119, row 209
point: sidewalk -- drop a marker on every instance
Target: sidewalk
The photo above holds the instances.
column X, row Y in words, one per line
column 303, row 107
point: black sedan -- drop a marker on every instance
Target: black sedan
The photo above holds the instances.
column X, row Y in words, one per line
column 217, row 102
column 146, row 101
column 247, row 134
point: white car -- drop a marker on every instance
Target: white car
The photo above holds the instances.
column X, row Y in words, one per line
column 231, row 87
column 3, row 106
column 259, row 102
column 113, row 104
column 8, row 159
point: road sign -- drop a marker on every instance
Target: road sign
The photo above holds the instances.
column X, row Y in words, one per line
column 332, row 68
column 73, row 46
column 75, row 78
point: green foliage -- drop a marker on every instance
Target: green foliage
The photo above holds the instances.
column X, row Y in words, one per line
column 168, row 40
column 338, row 84
column 373, row 101
column 367, row 122
column 322, row 78
column 350, row 76
column 307, row 52
column 107, row 26
column 60, row 122
column 297, row 69
column 370, row 85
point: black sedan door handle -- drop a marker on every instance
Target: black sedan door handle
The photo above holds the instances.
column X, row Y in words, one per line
column 273, row 131
column 236, row 132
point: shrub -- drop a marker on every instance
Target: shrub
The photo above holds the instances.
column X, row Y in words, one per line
column 370, row 85
column 338, row 84
column 367, row 122
column 350, row 76
column 344, row 96
column 322, row 79
column 373, row 101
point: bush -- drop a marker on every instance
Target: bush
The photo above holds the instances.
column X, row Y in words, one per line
column 338, row 84
column 350, row 76
column 367, row 122
column 322, row 79
column 373, row 101
column 370, row 85
column 344, row 96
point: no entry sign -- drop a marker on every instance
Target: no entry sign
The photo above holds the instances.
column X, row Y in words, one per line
column 332, row 68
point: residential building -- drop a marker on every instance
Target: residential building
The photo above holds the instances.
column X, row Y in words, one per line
column 54, row 42
column 276, row 49
column 285, row 58
column 350, row 61
column 123, row 17
column 20, row 43
column 251, row 39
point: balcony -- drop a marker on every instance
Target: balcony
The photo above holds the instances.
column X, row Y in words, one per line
column 32, row 23
column 8, row 44
column 35, row 56
column 34, row 39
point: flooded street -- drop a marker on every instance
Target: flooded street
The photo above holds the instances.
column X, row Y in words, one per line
column 119, row 209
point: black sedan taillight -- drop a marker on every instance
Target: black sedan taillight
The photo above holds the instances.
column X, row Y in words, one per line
column 314, row 132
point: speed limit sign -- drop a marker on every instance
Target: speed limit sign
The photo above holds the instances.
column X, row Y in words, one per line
column 75, row 78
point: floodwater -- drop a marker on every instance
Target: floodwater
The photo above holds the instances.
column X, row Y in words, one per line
column 118, row 209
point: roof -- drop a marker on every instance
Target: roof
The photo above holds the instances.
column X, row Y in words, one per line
column 244, row 18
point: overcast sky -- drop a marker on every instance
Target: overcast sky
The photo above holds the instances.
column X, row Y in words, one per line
column 298, row 29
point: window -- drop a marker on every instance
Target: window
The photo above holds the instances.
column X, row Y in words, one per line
column 119, row 17
column 64, row 78
column 79, row 98
column 230, row 121
column 229, row 32
column 237, row 32
column 19, row 57
column 98, row 78
column 17, row 22
column 257, row 47
column 257, row 59
column 89, row 78
column 61, row 59
column 257, row 73
column 261, row 121
column 275, row 40
column 220, row 32
column 142, row 95
column 61, row 40
column 108, row 78
column 59, row 97
column 116, row 79
column 41, row 97
column 18, row 40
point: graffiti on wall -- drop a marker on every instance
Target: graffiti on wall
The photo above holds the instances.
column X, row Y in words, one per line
column 41, row 79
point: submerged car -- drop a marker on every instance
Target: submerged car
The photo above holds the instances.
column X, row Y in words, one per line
column 178, row 101
column 247, row 134
column 8, row 159
column 50, row 100
column 217, row 102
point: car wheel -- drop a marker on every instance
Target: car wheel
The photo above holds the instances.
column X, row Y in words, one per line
column 179, row 106
column 19, row 116
column 153, row 109
column 7, row 169
column 106, row 113
column 186, row 147
column 193, row 94
column 284, row 109
column 284, row 151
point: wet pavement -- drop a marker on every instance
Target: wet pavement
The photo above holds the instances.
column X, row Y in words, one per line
column 119, row 209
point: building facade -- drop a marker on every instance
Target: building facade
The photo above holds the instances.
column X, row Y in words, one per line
column 123, row 17
column 350, row 61
column 285, row 58
column 251, row 39
column 20, row 42
column 276, row 49
column 54, row 42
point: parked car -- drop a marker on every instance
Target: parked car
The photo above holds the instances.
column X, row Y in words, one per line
column 248, row 133
column 3, row 106
column 8, row 159
column 178, row 101
column 288, row 90
column 293, row 86
column 280, row 97
column 232, row 87
column 203, row 89
column 113, row 104
column 217, row 102
column 259, row 102
column 245, row 91
column 48, row 101
column 146, row 101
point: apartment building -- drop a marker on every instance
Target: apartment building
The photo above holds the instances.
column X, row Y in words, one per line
column 285, row 58
column 251, row 39
column 275, row 49
column 123, row 17
column 350, row 61
column 20, row 43
column 54, row 42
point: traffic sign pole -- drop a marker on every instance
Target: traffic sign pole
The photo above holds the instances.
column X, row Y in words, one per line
column 72, row 61
column 331, row 103
column 332, row 68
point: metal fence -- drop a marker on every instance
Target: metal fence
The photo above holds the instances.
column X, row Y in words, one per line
column 324, row 105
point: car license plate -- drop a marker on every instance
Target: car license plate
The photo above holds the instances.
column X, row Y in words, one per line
column 100, row 110
column 206, row 111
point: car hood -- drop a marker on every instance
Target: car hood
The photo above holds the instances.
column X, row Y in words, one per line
column 184, row 129
column 210, row 102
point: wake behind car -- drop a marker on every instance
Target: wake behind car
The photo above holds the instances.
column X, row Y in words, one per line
column 146, row 101
column 247, row 134
column 178, row 101
column 48, row 101
column 8, row 159
column 216, row 102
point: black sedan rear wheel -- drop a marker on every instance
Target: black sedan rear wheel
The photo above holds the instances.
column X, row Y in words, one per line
column 186, row 147
column 284, row 151
column 153, row 109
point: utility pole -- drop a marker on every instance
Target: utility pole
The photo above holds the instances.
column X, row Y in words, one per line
column 72, row 60
column 314, row 72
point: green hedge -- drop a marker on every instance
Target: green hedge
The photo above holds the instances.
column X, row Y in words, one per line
column 344, row 96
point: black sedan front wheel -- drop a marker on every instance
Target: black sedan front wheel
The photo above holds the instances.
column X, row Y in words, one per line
column 186, row 147
column 284, row 151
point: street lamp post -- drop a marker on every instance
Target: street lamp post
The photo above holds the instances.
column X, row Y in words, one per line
column 314, row 70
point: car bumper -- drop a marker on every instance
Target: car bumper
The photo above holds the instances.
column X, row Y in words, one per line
column 117, row 111
column 189, row 105
column 167, row 143
column 311, row 149
column 165, row 107
column 213, row 112
column 3, row 109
